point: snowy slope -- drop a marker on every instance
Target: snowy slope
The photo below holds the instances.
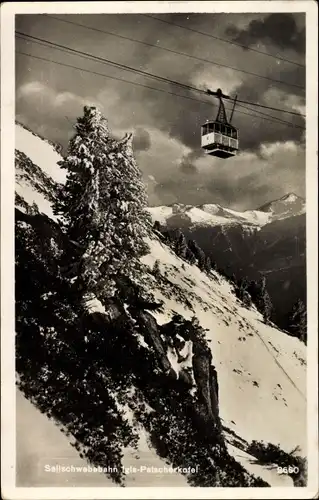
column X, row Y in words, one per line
column 268, row 474
column 261, row 371
column 41, row 443
column 40, row 152
column 32, row 185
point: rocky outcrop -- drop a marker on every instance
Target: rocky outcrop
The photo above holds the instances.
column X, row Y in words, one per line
column 152, row 337
column 207, row 384
column 199, row 371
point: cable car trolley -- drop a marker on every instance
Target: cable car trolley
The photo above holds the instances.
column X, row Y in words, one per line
column 220, row 138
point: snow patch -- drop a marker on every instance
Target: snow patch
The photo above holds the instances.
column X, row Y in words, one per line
column 141, row 341
column 172, row 358
column 145, row 455
column 198, row 216
column 187, row 354
column 30, row 196
column 160, row 213
column 290, row 197
column 255, row 217
column 94, row 305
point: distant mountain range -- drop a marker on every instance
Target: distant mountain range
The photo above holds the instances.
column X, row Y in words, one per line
column 270, row 240
column 216, row 215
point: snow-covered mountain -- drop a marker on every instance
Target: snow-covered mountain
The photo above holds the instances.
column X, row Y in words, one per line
column 261, row 371
column 216, row 215
column 287, row 206
column 207, row 215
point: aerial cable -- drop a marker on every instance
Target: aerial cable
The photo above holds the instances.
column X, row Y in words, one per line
column 267, row 117
column 138, row 71
column 268, row 107
column 176, row 52
column 245, row 47
column 111, row 77
column 111, row 63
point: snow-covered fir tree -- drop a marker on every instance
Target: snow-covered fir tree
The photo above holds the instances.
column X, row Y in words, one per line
column 102, row 206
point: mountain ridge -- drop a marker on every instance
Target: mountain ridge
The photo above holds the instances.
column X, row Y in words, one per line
column 287, row 206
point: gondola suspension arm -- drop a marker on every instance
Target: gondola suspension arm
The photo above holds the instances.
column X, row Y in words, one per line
column 232, row 111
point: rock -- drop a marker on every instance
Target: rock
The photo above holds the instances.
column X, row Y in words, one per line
column 152, row 336
column 206, row 379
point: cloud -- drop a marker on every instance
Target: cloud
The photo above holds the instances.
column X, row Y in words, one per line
column 271, row 151
column 141, row 140
column 265, row 126
column 174, row 172
column 52, row 113
column 30, row 88
column 162, row 159
column 45, row 97
column 245, row 182
column 208, row 78
column 187, row 164
column 129, row 106
column 166, row 120
column 280, row 29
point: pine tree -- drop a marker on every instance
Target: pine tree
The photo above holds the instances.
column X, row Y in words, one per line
column 242, row 291
column 168, row 237
column 157, row 226
column 199, row 254
column 208, row 264
column 190, row 257
column 181, row 245
column 214, row 266
column 201, row 257
column 243, row 284
column 156, row 268
column 297, row 323
column 102, row 206
column 261, row 298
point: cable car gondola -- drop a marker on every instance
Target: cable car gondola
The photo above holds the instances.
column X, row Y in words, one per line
column 219, row 137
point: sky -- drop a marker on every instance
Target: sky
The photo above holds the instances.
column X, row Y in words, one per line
column 166, row 128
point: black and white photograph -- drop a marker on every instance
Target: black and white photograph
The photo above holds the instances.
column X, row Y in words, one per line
column 159, row 319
